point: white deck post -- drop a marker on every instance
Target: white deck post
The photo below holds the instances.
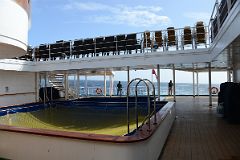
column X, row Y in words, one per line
column 229, row 79
column 128, row 77
column 210, row 84
column 128, row 74
column 85, row 87
column 105, row 84
column 174, row 84
column 197, row 84
column 78, row 85
column 193, row 83
column 111, row 85
column 158, row 81
column 45, row 87
column 66, row 85
column 36, row 86
column 40, row 83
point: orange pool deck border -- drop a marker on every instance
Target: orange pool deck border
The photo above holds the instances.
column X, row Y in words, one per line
column 140, row 135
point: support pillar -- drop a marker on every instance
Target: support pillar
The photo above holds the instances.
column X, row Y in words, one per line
column 128, row 74
column 158, row 81
column 210, row 84
column 85, row 86
column 111, row 85
column 45, row 88
column 40, row 84
column 229, row 76
column 105, row 84
column 174, row 84
column 197, row 84
column 78, row 85
column 66, row 85
column 37, row 86
column 193, row 84
column 128, row 77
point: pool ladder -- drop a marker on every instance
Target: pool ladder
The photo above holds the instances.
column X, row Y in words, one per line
column 150, row 114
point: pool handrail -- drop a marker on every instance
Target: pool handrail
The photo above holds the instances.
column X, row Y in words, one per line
column 149, row 105
column 128, row 87
column 136, row 109
column 154, row 100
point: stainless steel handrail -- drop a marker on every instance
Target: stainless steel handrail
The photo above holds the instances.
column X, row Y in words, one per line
column 136, row 104
column 149, row 104
column 154, row 101
column 128, row 121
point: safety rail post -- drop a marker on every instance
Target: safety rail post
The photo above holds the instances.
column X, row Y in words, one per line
column 210, row 31
column 49, row 52
column 70, row 49
column 229, row 5
column 218, row 15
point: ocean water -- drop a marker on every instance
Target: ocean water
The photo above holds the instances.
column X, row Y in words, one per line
column 181, row 88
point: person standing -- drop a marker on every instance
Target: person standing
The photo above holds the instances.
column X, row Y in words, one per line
column 170, row 85
column 119, row 89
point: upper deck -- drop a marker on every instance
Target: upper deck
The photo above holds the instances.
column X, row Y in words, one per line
column 182, row 47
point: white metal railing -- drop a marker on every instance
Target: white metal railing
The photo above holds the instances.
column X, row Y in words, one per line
column 140, row 42
column 134, row 43
column 91, row 91
column 219, row 14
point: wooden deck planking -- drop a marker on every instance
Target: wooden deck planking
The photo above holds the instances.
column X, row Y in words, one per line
column 198, row 133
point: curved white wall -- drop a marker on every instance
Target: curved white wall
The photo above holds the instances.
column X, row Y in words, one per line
column 13, row 29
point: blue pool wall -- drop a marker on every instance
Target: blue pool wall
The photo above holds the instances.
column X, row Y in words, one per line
column 91, row 102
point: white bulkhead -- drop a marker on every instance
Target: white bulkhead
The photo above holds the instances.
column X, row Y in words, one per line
column 14, row 17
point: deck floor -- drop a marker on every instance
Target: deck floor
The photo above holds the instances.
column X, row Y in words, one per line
column 199, row 134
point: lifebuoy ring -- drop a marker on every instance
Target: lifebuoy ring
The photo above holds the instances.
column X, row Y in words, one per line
column 214, row 90
column 99, row 91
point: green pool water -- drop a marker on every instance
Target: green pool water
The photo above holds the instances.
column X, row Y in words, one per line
column 79, row 119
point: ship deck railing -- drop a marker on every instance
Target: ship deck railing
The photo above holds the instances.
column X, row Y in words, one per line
column 145, row 42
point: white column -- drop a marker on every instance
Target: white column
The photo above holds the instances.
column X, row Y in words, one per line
column 105, row 84
column 128, row 74
column 78, row 85
column 112, row 81
column 174, row 84
column 45, row 88
column 158, row 81
column 197, row 84
column 210, row 84
column 193, row 84
column 66, row 85
column 111, row 85
column 85, row 87
column 40, row 83
column 36, row 86
column 229, row 79
column 128, row 77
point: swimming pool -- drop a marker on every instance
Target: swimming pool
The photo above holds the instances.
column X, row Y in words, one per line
column 63, row 141
column 96, row 115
